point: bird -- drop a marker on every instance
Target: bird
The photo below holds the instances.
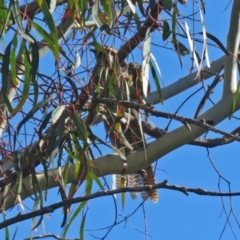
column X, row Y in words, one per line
column 123, row 82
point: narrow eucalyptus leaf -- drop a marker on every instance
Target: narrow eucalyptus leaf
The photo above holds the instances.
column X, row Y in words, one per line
column 27, row 81
column 5, row 76
column 56, row 114
column 166, row 30
column 74, row 215
column 18, row 20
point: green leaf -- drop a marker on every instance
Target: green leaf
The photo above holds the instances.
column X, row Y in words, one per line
column 18, row 20
column 98, row 48
column 44, row 124
column 174, row 20
column 56, row 137
column 95, row 14
column 45, row 165
column 36, row 187
column 92, row 138
column 81, row 128
column 156, row 81
column 40, row 2
column 89, row 184
column 109, row 12
column 47, row 37
column 166, row 30
column 35, row 91
column 82, row 8
column 180, row 48
column 167, row 4
column 123, row 194
column 56, row 114
column 137, row 21
column 26, row 86
column 34, row 63
column 82, row 226
column 35, row 59
column 174, row 36
column 13, row 60
column 4, row 16
column 66, row 171
column 51, row 24
column 96, row 179
column 78, row 167
column 74, row 215
column 110, row 78
column 5, row 75
column 7, row 236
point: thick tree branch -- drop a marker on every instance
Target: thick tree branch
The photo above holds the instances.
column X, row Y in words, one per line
column 167, row 143
column 67, row 24
column 233, row 39
column 8, row 163
column 112, row 163
column 186, row 82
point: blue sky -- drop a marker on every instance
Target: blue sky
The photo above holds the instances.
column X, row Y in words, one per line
column 175, row 216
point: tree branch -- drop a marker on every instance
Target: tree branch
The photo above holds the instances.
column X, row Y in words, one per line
column 155, row 132
column 151, row 22
column 110, row 164
column 163, row 185
column 113, row 164
column 186, row 82
column 231, row 63
column 204, row 123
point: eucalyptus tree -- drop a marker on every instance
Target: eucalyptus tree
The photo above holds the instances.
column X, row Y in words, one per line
column 55, row 94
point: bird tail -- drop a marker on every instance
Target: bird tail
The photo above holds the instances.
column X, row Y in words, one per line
column 133, row 180
column 149, row 179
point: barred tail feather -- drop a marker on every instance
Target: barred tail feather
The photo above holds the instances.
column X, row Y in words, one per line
column 149, row 179
column 144, row 194
column 121, row 181
column 133, row 181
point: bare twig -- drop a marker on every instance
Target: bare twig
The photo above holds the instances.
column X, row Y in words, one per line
column 163, row 185
column 204, row 123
